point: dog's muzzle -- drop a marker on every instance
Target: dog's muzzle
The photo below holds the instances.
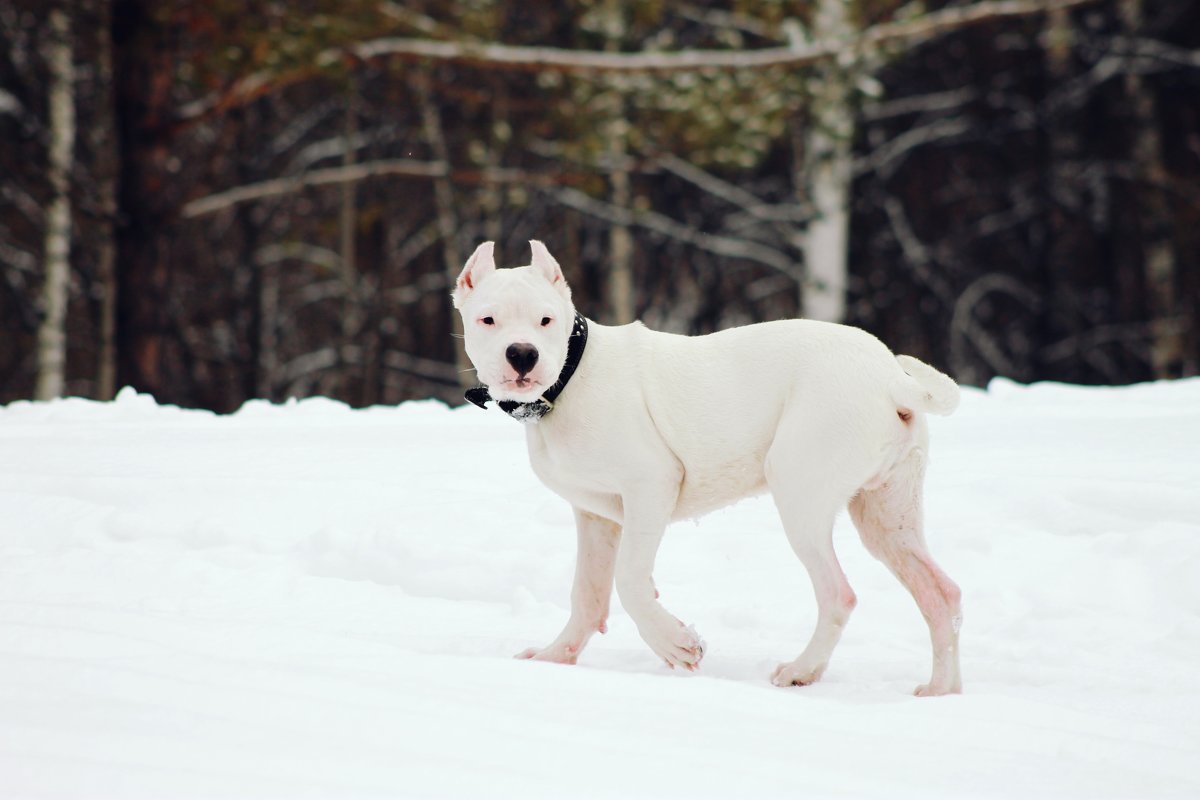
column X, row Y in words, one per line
column 526, row 355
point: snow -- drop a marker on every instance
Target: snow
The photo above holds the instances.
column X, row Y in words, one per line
column 310, row 601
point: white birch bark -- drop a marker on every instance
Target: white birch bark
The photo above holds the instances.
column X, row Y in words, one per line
column 620, row 244
column 52, row 335
column 620, row 239
column 827, row 170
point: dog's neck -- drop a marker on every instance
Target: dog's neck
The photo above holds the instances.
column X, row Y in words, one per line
column 536, row 409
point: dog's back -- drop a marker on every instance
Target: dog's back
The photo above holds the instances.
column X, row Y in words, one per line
column 718, row 400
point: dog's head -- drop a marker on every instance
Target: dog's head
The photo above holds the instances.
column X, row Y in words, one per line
column 516, row 321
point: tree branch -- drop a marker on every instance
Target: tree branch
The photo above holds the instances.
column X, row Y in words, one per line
column 535, row 59
column 327, row 358
column 417, row 290
column 734, row 194
column 317, row 177
column 22, row 201
column 548, row 58
column 323, row 257
column 17, row 258
column 887, row 158
column 1135, row 333
column 410, row 168
column 963, row 327
column 916, row 253
column 672, row 229
column 9, row 104
column 920, row 104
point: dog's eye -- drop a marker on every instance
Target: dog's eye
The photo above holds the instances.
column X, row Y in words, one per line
column 545, row 321
column 488, row 321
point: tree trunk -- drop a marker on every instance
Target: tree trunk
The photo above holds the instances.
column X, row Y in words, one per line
column 620, row 252
column 443, row 195
column 1053, row 234
column 52, row 333
column 826, row 172
column 1158, row 257
column 103, row 137
column 142, row 79
column 491, row 194
column 347, row 249
column 620, row 239
column 268, row 328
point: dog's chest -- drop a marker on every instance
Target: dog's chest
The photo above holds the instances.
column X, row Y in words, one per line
column 573, row 468
column 560, row 458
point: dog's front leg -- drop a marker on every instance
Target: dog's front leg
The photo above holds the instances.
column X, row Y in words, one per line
column 674, row 642
column 594, row 562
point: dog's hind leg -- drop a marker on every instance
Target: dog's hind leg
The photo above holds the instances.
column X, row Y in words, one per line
column 808, row 504
column 809, row 531
column 595, row 560
column 889, row 520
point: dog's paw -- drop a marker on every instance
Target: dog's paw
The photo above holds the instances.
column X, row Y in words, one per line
column 556, row 653
column 797, row 673
column 675, row 643
column 937, row 690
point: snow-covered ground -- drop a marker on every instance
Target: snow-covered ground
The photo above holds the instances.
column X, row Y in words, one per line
column 306, row 600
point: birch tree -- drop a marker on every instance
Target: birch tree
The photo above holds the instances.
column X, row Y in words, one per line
column 621, row 296
column 670, row 131
column 825, row 169
column 52, row 334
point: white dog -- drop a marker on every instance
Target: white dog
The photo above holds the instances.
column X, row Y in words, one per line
column 637, row 428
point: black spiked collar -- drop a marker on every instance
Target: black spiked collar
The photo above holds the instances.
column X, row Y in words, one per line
column 535, row 410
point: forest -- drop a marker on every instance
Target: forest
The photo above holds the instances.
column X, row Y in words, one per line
column 216, row 201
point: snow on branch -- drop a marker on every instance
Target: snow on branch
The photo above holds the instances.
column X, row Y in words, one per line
column 515, row 57
column 550, row 58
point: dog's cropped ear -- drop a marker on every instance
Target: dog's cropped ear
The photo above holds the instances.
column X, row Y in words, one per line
column 481, row 264
column 544, row 263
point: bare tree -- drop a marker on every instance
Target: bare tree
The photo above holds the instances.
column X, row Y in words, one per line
column 666, row 144
column 837, row 50
column 443, row 196
column 348, row 239
column 620, row 241
column 825, row 167
column 52, row 333
column 106, row 190
column 1158, row 258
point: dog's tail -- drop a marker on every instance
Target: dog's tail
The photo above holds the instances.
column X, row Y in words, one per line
column 923, row 388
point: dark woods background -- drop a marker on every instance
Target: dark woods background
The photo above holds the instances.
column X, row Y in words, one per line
column 271, row 199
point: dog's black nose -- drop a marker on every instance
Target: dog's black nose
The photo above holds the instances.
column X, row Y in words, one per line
column 522, row 357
